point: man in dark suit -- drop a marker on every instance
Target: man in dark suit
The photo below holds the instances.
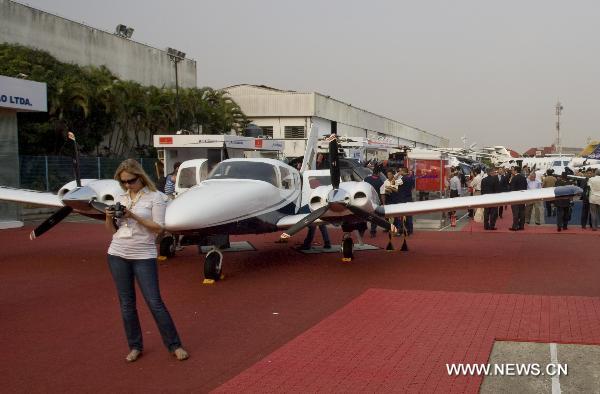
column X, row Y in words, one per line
column 563, row 205
column 518, row 182
column 490, row 185
column 405, row 195
column 376, row 181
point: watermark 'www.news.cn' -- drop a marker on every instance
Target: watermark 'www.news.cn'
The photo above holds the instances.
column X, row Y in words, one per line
column 508, row 369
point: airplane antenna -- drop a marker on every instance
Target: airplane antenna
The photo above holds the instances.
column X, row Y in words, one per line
column 404, row 247
column 559, row 109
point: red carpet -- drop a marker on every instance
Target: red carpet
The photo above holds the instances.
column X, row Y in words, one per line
column 400, row 341
column 61, row 330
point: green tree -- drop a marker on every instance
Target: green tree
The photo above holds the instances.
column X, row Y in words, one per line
column 108, row 115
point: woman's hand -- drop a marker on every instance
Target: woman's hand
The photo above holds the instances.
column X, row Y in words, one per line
column 127, row 214
column 109, row 223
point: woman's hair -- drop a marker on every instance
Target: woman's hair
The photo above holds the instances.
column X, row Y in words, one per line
column 135, row 168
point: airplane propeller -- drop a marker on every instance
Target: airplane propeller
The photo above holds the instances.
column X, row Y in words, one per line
column 63, row 212
column 53, row 220
column 336, row 197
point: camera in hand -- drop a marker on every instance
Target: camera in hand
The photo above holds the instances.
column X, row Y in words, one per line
column 118, row 209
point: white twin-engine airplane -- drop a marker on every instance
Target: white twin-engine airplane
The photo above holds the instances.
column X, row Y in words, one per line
column 253, row 196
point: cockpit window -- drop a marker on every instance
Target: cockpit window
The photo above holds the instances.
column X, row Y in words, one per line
column 187, row 177
column 245, row 170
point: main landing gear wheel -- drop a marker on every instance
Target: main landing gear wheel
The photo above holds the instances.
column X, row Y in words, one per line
column 167, row 246
column 212, row 267
column 347, row 247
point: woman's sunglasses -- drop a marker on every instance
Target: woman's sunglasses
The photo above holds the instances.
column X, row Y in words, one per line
column 129, row 181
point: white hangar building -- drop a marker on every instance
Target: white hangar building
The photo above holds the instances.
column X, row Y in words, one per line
column 74, row 42
column 289, row 115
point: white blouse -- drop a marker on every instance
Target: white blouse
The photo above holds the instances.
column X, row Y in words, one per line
column 142, row 243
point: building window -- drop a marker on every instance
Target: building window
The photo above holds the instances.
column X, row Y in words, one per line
column 294, row 132
column 267, row 130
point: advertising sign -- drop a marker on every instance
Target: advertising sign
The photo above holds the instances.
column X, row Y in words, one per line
column 429, row 174
column 22, row 95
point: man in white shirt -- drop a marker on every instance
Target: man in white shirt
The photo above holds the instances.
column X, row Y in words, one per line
column 594, row 185
column 476, row 182
column 455, row 185
column 455, row 191
column 536, row 207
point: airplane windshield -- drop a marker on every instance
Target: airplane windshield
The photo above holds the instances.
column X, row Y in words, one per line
column 245, row 170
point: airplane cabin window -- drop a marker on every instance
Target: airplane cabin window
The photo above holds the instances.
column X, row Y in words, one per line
column 245, row 170
column 187, row 177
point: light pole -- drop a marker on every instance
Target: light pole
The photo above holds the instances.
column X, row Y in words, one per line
column 559, row 109
column 176, row 56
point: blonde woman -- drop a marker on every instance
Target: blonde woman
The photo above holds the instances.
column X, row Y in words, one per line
column 132, row 256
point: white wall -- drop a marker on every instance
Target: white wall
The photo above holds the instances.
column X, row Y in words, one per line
column 73, row 42
column 293, row 147
column 9, row 163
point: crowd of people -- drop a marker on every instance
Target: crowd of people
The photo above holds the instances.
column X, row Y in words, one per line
column 498, row 180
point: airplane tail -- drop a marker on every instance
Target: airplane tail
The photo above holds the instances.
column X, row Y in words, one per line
column 595, row 153
column 310, row 154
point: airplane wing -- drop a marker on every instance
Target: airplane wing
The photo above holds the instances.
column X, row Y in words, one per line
column 288, row 221
column 30, row 197
column 486, row 200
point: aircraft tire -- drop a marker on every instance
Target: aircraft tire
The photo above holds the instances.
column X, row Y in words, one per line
column 347, row 248
column 212, row 265
column 167, row 246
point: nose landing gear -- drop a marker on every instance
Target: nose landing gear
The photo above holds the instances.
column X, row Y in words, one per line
column 347, row 248
column 213, row 263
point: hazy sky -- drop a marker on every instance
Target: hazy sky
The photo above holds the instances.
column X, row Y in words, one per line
column 490, row 70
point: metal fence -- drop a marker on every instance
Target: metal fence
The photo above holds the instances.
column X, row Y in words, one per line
column 50, row 173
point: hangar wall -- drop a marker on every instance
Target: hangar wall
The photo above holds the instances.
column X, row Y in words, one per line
column 9, row 163
column 74, row 42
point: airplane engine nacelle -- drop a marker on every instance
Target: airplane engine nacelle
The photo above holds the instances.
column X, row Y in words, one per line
column 362, row 195
column 67, row 187
column 318, row 197
column 105, row 190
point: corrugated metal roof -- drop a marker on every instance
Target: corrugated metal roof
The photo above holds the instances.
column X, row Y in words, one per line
column 265, row 101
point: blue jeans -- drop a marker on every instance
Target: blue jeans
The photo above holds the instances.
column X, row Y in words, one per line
column 311, row 234
column 146, row 273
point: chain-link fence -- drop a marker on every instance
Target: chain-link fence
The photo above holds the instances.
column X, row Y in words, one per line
column 50, row 173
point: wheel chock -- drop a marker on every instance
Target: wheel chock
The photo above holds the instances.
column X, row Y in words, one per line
column 404, row 247
column 212, row 281
column 346, row 259
column 161, row 258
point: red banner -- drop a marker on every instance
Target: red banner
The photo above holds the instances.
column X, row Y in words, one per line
column 428, row 174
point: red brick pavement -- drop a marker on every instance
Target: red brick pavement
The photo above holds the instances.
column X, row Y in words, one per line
column 401, row 340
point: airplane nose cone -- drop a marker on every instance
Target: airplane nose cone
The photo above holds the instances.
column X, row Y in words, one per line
column 219, row 202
